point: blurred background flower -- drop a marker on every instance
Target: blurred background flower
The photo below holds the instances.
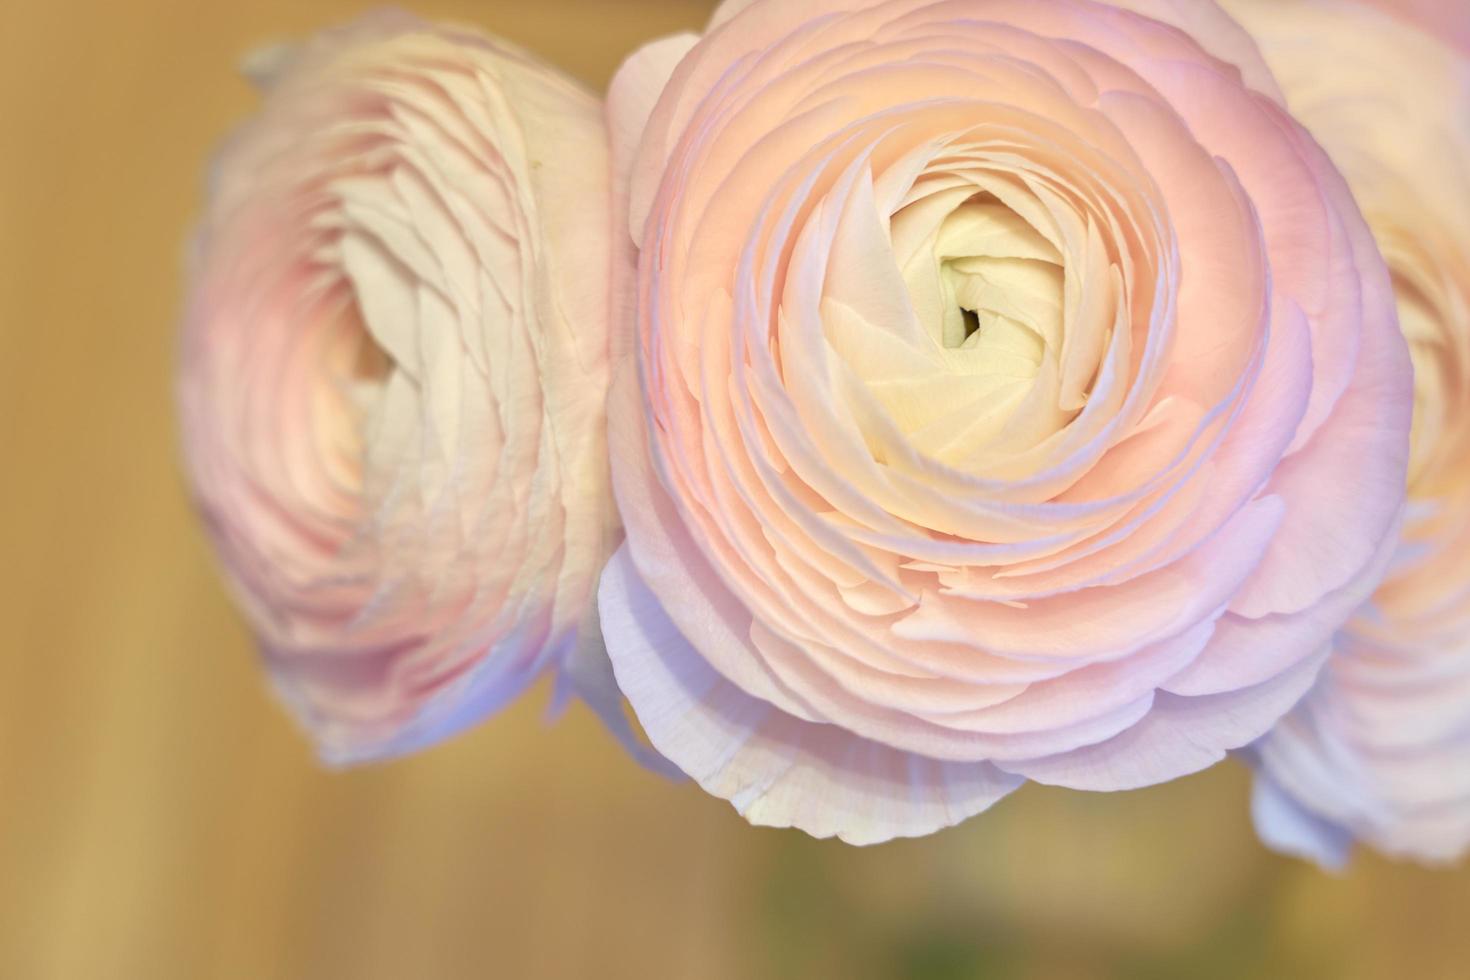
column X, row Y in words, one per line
column 392, row 376
column 162, row 819
column 1380, row 749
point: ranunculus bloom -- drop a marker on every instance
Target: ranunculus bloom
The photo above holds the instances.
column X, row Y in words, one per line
column 394, row 374
column 1380, row 750
column 1015, row 392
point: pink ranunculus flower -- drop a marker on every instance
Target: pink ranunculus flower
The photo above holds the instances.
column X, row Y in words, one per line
column 394, row 374
column 1380, row 750
column 1015, row 392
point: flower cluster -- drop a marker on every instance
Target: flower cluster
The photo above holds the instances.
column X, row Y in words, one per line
column 889, row 401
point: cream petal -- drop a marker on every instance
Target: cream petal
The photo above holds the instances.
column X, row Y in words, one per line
column 1177, row 737
column 631, row 97
column 776, row 770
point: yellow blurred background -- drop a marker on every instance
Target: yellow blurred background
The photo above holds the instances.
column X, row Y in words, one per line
column 160, row 818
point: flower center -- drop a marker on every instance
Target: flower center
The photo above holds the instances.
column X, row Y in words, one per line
column 987, row 290
column 1423, row 317
column 994, row 270
column 972, row 323
column 350, row 386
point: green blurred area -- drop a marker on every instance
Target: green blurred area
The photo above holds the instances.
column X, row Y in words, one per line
column 160, row 819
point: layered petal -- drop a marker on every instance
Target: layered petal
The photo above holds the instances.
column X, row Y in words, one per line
column 1380, row 749
column 393, row 374
column 987, row 363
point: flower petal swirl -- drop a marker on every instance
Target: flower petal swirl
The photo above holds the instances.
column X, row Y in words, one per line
column 1380, row 750
column 394, row 372
column 1014, row 392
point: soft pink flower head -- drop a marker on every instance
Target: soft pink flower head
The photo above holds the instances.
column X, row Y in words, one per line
column 1380, row 750
column 394, row 372
column 1014, row 392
